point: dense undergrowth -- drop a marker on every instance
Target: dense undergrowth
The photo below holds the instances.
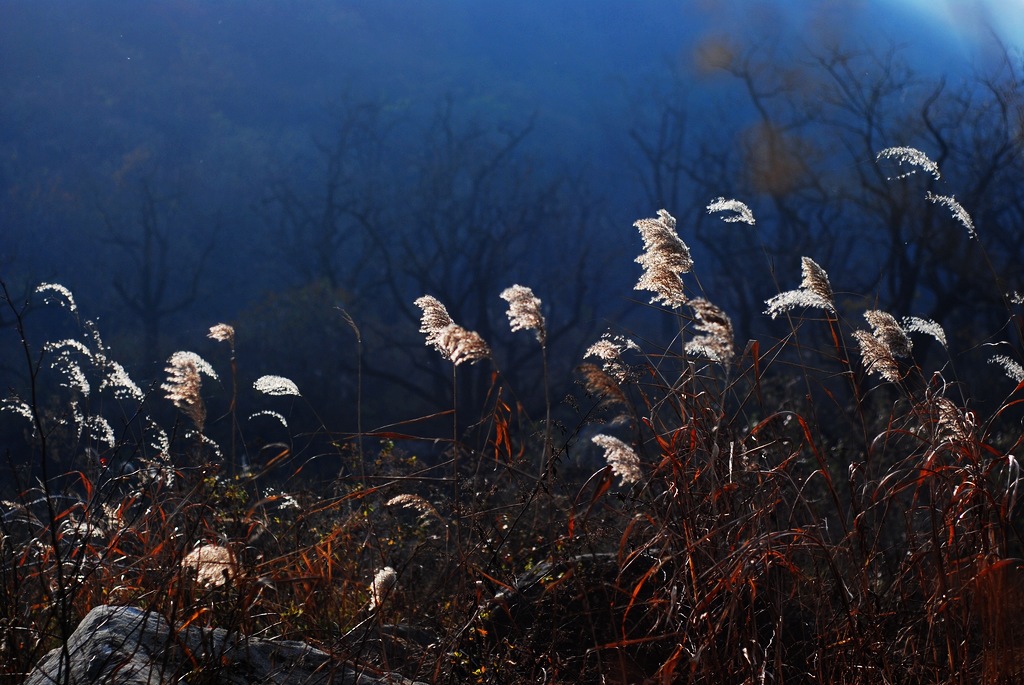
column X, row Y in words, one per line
column 824, row 507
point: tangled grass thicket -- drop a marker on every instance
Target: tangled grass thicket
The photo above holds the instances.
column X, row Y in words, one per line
column 822, row 508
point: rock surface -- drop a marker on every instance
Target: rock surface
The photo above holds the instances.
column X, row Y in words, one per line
column 129, row 646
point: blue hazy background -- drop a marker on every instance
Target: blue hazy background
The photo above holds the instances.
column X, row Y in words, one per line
column 170, row 162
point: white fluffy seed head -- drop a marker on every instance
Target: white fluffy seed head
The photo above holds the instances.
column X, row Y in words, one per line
column 665, row 259
column 815, row 292
column 276, row 385
column 912, row 157
column 740, row 211
column 524, row 311
column 620, row 456
column 454, row 342
column 382, row 586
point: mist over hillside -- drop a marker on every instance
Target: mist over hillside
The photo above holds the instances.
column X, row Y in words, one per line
column 212, row 124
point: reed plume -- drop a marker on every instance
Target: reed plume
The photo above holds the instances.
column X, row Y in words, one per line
column 609, row 349
column 956, row 209
column 184, row 384
column 716, row 343
column 621, row 457
column 435, row 318
column 416, row 503
column 952, row 423
column 276, row 385
column 1011, row 368
column 740, row 211
column 915, row 324
column 876, row 356
column 524, row 315
column 222, row 332
column 524, row 311
column 66, row 299
column 910, row 156
column 454, row 342
column 383, row 584
column 880, row 347
column 66, row 360
column 457, row 345
column 888, row 331
column 815, row 292
column 666, row 257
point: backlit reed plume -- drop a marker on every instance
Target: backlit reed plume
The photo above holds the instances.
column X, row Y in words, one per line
column 665, row 259
column 716, row 343
column 66, row 299
column 1011, row 368
column 740, row 211
column 276, row 385
column 202, row 366
column 814, row 292
column 184, row 384
column 435, row 318
column 910, row 156
column 914, row 324
column 118, row 380
column 213, row 565
column 454, row 342
column 383, row 584
column 952, row 424
column 876, row 356
column 66, row 357
column 956, row 209
column 524, row 311
column 879, row 348
column 889, row 332
column 609, row 349
column 620, row 456
column 100, row 428
column 113, row 375
column 277, row 416
column 18, row 406
column 222, row 332
column 415, row 503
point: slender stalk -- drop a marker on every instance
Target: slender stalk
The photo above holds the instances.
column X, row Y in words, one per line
column 548, row 453
column 235, row 429
column 456, row 500
column 359, row 391
column 60, row 584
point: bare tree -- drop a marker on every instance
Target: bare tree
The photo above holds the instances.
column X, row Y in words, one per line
column 164, row 277
column 446, row 207
column 479, row 215
column 806, row 161
column 319, row 222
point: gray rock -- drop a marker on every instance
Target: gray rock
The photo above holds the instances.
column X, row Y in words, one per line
column 129, row 646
